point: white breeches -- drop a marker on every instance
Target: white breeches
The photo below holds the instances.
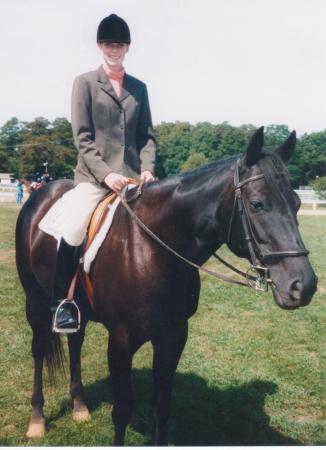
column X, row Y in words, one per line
column 69, row 217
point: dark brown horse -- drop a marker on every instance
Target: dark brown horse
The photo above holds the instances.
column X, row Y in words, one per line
column 142, row 292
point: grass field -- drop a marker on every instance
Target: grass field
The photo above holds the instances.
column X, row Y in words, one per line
column 251, row 373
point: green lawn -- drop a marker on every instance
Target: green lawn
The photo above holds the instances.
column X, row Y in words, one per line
column 251, row 373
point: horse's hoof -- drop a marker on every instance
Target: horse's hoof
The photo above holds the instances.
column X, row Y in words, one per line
column 81, row 415
column 36, row 430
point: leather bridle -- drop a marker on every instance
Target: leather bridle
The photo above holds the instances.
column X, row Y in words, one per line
column 257, row 263
column 257, row 276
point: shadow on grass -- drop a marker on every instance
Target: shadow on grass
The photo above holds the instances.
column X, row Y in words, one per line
column 201, row 415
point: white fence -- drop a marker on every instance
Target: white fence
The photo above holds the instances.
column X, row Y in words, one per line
column 309, row 196
column 8, row 194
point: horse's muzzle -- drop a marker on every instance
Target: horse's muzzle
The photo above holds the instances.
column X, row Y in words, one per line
column 299, row 293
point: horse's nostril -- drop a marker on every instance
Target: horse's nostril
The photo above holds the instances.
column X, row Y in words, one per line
column 296, row 290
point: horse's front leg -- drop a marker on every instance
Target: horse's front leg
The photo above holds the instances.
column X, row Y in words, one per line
column 167, row 351
column 120, row 353
column 75, row 341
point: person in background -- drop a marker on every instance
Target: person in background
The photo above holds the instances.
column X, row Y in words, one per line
column 19, row 191
column 113, row 132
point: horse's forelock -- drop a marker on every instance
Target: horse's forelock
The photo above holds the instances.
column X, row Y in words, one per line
column 276, row 174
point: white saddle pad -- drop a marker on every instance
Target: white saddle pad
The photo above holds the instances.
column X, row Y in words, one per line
column 92, row 250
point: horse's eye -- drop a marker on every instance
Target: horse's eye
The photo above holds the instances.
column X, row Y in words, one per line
column 256, row 205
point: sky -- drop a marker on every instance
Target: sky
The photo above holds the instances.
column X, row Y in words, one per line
column 243, row 61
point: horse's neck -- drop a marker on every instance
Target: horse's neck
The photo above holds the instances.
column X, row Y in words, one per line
column 193, row 213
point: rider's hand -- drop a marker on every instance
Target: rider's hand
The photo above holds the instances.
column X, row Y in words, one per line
column 146, row 176
column 116, row 182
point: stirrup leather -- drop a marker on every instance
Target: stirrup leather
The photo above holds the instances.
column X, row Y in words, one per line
column 55, row 327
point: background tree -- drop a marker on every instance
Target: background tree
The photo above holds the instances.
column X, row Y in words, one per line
column 194, row 161
column 40, row 126
column 10, row 138
column 203, row 140
column 62, row 132
column 173, row 145
column 319, row 186
column 51, row 142
column 229, row 141
column 66, row 152
column 25, row 146
column 4, row 160
column 33, row 156
column 310, row 157
column 275, row 135
column 248, row 129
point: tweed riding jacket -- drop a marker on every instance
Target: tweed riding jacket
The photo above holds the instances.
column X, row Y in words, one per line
column 112, row 134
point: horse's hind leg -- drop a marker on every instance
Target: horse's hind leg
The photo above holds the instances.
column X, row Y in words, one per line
column 75, row 341
column 45, row 346
column 167, row 352
column 36, row 428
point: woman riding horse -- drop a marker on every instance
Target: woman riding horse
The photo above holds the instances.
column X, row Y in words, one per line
column 112, row 128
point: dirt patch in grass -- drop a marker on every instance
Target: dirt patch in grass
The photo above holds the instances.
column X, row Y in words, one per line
column 305, row 415
column 7, row 429
column 8, row 256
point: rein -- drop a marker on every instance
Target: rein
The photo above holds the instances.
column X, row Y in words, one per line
column 164, row 245
column 257, row 276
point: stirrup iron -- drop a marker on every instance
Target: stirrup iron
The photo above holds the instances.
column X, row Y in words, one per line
column 55, row 327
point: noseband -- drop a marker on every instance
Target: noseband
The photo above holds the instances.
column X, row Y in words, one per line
column 257, row 276
column 261, row 279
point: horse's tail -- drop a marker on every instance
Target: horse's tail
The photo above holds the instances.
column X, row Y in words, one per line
column 46, row 344
column 54, row 357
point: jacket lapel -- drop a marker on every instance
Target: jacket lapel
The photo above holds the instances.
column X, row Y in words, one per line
column 126, row 88
column 107, row 87
column 105, row 83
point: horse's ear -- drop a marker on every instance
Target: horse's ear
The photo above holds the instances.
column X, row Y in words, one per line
column 286, row 149
column 255, row 147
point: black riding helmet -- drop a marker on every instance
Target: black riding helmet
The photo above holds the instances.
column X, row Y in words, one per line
column 113, row 29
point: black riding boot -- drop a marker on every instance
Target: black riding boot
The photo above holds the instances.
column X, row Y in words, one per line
column 65, row 313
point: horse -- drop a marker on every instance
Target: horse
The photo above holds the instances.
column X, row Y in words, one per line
column 144, row 292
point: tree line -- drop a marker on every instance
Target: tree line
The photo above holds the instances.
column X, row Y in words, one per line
column 181, row 146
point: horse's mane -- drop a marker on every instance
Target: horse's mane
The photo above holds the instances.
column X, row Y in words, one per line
column 269, row 163
column 205, row 171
